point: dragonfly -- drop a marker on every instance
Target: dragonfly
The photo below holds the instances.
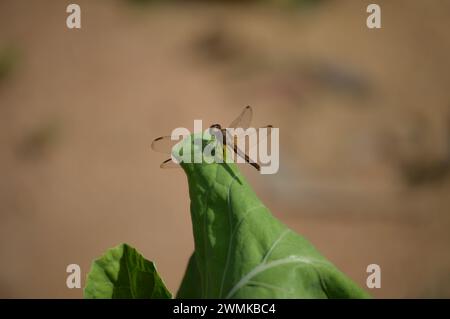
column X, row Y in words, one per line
column 164, row 144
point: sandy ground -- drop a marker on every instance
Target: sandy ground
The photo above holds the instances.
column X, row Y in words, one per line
column 364, row 126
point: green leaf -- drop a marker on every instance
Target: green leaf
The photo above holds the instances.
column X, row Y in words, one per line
column 242, row 250
column 123, row 273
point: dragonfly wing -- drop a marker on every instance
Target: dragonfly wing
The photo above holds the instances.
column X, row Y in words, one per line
column 169, row 164
column 264, row 133
column 164, row 144
column 254, row 138
column 244, row 119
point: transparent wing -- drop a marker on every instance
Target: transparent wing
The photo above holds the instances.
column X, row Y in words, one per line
column 163, row 144
column 254, row 138
column 244, row 119
column 169, row 164
column 253, row 135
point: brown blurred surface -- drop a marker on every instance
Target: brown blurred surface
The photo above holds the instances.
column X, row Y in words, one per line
column 364, row 126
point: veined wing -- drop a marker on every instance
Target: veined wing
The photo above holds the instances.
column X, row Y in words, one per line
column 244, row 119
column 164, row 144
column 168, row 163
column 252, row 138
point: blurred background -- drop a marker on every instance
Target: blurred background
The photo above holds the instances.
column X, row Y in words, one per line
column 364, row 118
